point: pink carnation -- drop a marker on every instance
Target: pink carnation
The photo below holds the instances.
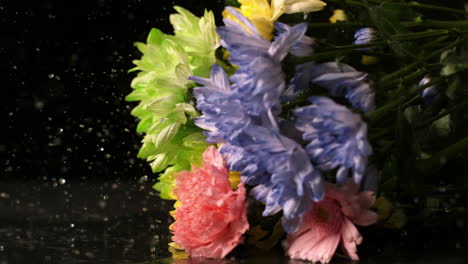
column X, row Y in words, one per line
column 331, row 222
column 212, row 217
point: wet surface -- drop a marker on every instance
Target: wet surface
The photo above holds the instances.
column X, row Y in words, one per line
column 125, row 222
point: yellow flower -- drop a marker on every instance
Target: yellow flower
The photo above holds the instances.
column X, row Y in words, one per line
column 295, row 6
column 369, row 60
column 338, row 16
column 234, row 179
column 259, row 12
column 263, row 14
column 178, row 253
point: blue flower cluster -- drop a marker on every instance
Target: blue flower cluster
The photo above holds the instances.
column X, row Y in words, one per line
column 341, row 80
column 337, row 138
column 244, row 117
column 242, row 113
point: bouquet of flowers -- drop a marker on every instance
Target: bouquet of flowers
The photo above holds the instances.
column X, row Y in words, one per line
column 263, row 133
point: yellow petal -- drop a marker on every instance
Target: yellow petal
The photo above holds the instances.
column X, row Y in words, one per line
column 257, row 11
column 296, row 6
column 369, row 60
column 278, row 9
column 177, row 251
column 234, row 179
column 338, row 16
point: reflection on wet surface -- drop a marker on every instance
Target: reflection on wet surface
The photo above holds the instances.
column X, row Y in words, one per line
column 127, row 223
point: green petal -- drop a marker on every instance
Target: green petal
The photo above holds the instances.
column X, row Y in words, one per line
column 161, row 86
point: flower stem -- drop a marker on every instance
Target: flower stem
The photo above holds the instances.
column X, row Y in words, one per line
column 422, row 6
column 440, row 158
column 348, row 2
column 321, row 56
column 418, row 35
column 360, row 46
column 437, row 24
column 441, row 24
column 416, row 64
column 402, row 99
column 442, row 114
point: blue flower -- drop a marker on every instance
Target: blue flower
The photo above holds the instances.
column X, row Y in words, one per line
column 341, row 80
column 255, row 147
column 337, row 138
column 221, row 117
column 259, row 81
column 429, row 94
column 302, row 47
column 244, row 116
column 282, row 171
column 365, row 36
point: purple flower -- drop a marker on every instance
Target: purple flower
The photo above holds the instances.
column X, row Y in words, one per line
column 338, row 138
column 255, row 147
column 429, row 94
column 287, row 181
column 244, row 116
column 259, row 81
column 302, row 47
column 341, row 80
column 221, row 117
column 365, row 36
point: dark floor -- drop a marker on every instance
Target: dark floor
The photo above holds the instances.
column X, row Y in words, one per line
column 113, row 222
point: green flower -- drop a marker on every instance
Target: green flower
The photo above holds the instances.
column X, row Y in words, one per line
column 162, row 88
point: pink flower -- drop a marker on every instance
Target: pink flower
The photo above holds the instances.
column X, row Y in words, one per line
column 212, row 217
column 331, row 222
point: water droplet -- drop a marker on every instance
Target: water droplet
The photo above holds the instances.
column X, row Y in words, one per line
column 143, row 179
column 102, row 204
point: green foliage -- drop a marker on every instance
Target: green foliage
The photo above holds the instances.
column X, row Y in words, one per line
column 454, row 60
column 386, row 18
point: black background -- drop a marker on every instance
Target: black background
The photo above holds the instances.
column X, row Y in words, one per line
column 64, row 68
column 64, row 75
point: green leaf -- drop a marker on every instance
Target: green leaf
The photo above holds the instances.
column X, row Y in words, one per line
column 442, row 126
column 233, row 3
column 454, row 61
